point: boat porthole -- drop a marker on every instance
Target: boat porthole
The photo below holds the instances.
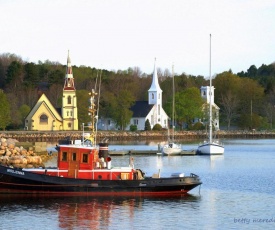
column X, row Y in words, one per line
column 99, row 177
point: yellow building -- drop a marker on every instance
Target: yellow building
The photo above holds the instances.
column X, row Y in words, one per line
column 45, row 117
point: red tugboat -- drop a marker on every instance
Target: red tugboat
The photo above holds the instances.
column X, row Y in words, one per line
column 85, row 169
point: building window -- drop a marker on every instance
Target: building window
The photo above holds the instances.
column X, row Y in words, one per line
column 64, row 156
column 135, row 121
column 43, row 119
column 69, row 100
column 71, row 113
column 158, row 109
column 109, row 122
column 69, row 125
column 85, row 158
column 159, row 95
column 67, row 113
column 152, row 96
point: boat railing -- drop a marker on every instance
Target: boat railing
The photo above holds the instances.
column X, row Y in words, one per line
column 193, row 175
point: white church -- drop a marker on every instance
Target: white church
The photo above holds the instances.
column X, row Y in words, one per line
column 153, row 111
column 143, row 110
column 205, row 94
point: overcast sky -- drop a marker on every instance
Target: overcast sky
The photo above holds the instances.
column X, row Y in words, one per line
column 117, row 34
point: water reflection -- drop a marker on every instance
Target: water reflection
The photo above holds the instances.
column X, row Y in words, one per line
column 216, row 160
column 87, row 212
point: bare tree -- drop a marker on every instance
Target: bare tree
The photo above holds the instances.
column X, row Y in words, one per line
column 230, row 105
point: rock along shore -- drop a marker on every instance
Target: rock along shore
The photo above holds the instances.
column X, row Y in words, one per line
column 55, row 136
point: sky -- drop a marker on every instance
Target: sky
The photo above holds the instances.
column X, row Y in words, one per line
column 118, row 34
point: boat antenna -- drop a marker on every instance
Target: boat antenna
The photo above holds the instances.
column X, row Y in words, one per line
column 210, row 98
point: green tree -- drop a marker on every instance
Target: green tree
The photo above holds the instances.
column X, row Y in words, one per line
column 147, row 125
column 5, row 116
column 14, row 75
column 82, row 107
column 120, row 107
column 251, row 98
column 31, row 78
column 16, row 121
column 227, row 95
column 24, row 111
column 188, row 105
column 253, row 121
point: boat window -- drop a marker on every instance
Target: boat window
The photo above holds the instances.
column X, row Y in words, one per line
column 85, row 158
column 64, row 156
column 74, row 157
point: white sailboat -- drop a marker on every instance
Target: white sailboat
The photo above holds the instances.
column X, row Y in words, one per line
column 171, row 148
column 210, row 147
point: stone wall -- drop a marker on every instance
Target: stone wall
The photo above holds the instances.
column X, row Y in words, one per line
column 50, row 136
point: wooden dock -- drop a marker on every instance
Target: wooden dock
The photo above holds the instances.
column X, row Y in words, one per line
column 148, row 152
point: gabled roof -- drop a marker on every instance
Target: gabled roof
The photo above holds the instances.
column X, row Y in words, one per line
column 44, row 101
column 141, row 108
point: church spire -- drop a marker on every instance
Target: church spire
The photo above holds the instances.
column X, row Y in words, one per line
column 69, row 78
column 155, row 92
column 155, row 82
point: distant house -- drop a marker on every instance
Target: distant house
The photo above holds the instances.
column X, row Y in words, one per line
column 43, row 116
column 143, row 110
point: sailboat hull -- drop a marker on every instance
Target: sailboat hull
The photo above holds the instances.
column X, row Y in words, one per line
column 210, row 149
column 171, row 149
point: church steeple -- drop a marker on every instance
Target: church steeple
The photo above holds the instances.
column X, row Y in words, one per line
column 69, row 101
column 155, row 92
column 69, row 78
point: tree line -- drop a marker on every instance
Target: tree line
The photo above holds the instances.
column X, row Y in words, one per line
column 246, row 99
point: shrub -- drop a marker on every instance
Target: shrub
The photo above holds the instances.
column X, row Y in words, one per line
column 157, row 127
column 133, row 128
column 197, row 126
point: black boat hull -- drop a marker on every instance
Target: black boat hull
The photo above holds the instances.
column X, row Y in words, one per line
column 18, row 181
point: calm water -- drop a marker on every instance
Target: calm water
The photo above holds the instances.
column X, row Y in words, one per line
column 238, row 192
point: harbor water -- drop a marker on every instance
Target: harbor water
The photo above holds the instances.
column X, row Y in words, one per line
column 238, row 192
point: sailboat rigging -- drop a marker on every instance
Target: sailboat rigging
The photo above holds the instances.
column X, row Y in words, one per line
column 171, row 148
column 210, row 147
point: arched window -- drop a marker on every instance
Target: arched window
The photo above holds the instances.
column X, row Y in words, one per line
column 69, row 100
column 43, row 119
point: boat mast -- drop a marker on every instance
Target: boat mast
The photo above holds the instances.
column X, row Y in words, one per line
column 173, row 104
column 210, row 98
column 92, row 113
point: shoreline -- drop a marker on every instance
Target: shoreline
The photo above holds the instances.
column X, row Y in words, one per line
column 55, row 136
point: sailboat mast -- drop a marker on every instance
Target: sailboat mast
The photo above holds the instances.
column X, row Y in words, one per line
column 210, row 98
column 173, row 104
